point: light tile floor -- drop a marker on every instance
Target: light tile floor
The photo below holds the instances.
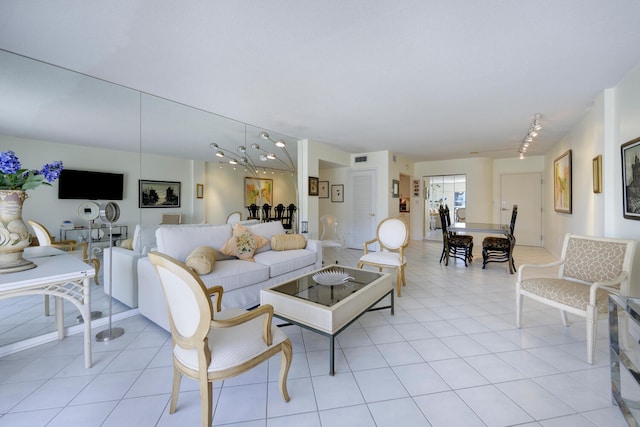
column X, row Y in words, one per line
column 451, row 356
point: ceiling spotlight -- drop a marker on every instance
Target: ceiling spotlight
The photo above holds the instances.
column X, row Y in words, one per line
column 521, row 156
column 264, row 135
column 537, row 126
column 233, row 162
column 271, row 156
column 219, row 153
column 255, row 146
column 263, row 158
column 534, row 133
column 213, row 146
column 526, row 144
column 242, row 148
column 280, row 143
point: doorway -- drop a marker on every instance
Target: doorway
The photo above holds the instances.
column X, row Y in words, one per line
column 363, row 208
column 528, row 230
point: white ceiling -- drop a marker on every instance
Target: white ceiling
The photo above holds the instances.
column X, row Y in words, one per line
column 423, row 78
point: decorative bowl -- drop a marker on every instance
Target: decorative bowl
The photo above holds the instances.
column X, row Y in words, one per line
column 331, row 277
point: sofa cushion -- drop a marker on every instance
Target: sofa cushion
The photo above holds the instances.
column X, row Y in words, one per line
column 286, row 242
column 201, row 260
column 281, row 262
column 235, row 274
column 179, row 241
column 267, row 230
column 243, row 243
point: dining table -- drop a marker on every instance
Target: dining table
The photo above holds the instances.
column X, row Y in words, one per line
column 484, row 228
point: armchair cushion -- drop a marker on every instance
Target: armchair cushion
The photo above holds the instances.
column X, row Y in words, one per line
column 201, row 260
column 566, row 292
column 243, row 244
column 286, row 242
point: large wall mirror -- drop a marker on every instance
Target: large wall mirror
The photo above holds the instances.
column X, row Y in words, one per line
column 49, row 113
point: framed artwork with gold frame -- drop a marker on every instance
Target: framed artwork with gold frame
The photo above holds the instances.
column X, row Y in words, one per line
column 597, row 174
column 562, row 183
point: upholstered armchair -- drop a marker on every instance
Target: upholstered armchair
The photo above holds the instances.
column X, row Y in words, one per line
column 392, row 238
column 78, row 249
column 588, row 270
column 212, row 345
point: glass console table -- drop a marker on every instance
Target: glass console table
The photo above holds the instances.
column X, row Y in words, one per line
column 624, row 340
column 98, row 233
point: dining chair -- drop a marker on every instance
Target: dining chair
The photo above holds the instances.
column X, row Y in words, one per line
column 589, row 269
column 290, row 218
column 278, row 212
column 392, row 237
column 253, row 211
column 266, row 212
column 234, row 217
column 171, row 219
column 329, row 237
column 458, row 246
column 500, row 249
column 212, row 345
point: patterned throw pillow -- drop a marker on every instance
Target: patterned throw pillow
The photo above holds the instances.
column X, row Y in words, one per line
column 243, row 243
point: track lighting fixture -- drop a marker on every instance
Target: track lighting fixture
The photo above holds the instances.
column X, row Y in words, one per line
column 533, row 132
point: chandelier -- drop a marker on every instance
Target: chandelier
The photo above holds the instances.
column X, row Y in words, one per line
column 256, row 159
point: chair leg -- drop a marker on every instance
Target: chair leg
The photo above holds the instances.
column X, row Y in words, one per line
column 563, row 316
column 206, row 393
column 47, row 311
column 96, row 266
column 518, row 309
column 287, row 355
column 175, row 390
column 591, row 333
column 399, row 281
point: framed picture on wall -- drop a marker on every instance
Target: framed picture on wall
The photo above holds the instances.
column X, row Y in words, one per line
column 323, row 189
column 597, row 174
column 313, row 186
column 159, row 194
column 258, row 191
column 395, row 188
column 562, row 183
column 631, row 179
column 337, row 193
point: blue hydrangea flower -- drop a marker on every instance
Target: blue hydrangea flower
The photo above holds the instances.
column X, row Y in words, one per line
column 9, row 163
column 13, row 177
column 51, row 171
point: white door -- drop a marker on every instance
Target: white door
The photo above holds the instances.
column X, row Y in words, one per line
column 363, row 222
column 524, row 190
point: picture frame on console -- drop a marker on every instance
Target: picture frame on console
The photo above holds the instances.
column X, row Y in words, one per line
column 158, row 194
column 631, row 179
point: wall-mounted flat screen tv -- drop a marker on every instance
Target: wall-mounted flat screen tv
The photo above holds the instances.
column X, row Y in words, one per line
column 90, row 185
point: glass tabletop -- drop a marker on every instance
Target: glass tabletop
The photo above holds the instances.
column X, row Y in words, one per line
column 328, row 295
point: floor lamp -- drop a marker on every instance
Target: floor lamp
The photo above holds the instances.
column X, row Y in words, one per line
column 89, row 211
column 109, row 213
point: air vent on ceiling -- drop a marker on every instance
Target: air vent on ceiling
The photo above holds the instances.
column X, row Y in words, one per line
column 361, row 159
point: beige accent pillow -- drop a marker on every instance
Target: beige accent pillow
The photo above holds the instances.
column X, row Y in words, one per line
column 243, row 244
column 127, row 244
column 285, row 242
column 201, row 260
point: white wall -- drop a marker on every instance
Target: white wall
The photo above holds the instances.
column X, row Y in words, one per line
column 223, row 187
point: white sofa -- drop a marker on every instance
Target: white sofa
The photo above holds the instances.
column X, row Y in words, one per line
column 241, row 280
column 125, row 265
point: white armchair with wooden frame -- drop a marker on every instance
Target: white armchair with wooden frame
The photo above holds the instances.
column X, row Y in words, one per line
column 588, row 270
column 209, row 344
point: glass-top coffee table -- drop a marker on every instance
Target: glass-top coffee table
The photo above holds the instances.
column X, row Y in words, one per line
column 329, row 309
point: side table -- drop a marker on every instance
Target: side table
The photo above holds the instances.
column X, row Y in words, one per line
column 624, row 336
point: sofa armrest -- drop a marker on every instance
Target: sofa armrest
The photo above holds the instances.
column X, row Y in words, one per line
column 315, row 246
column 122, row 278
